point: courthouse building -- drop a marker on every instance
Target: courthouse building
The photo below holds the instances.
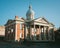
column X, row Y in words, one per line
column 33, row 29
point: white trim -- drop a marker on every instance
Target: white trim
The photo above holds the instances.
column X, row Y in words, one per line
column 14, row 23
column 19, row 22
column 41, row 24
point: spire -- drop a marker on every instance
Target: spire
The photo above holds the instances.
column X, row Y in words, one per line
column 30, row 6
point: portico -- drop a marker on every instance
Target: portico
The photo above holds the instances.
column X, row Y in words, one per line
column 37, row 32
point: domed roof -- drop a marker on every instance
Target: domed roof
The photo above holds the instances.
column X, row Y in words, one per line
column 30, row 12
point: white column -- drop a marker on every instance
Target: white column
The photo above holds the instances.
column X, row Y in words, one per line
column 34, row 33
column 15, row 32
column 47, row 30
column 40, row 33
column 48, row 34
column 30, row 32
column 25, row 31
column 44, row 32
column 53, row 35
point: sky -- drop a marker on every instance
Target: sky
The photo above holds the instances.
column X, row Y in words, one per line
column 49, row 9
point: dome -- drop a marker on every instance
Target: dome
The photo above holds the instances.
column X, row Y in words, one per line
column 30, row 12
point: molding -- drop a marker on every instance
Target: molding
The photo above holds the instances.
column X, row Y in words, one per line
column 41, row 24
column 13, row 23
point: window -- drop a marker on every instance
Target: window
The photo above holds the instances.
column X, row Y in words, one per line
column 11, row 30
column 8, row 32
column 32, row 29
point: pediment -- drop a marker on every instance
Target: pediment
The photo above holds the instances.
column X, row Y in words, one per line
column 41, row 20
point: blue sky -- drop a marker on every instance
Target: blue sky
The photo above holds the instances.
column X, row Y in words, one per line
column 50, row 9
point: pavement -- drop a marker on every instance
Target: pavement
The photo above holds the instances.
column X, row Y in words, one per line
column 28, row 45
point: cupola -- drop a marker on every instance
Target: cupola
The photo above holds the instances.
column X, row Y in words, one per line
column 30, row 13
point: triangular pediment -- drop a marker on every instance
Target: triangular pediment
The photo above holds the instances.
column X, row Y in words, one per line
column 41, row 20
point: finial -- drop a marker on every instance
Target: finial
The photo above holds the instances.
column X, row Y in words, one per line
column 30, row 7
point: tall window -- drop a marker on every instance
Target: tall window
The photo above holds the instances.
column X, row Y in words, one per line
column 11, row 30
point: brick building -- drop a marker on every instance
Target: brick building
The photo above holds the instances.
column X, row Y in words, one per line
column 32, row 29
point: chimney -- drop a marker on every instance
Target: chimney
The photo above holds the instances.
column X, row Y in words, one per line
column 16, row 17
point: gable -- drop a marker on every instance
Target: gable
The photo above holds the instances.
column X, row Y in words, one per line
column 41, row 20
